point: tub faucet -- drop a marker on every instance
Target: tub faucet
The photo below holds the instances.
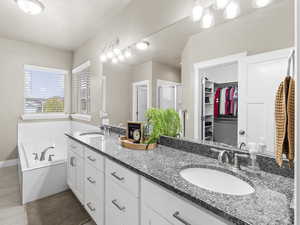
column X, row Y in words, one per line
column 43, row 153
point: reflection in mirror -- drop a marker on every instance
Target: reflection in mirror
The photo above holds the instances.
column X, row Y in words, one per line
column 222, row 80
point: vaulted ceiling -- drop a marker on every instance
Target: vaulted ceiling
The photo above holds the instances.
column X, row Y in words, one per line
column 65, row 24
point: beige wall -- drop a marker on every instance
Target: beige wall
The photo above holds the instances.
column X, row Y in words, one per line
column 268, row 29
column 133, row 23
column 13, row 56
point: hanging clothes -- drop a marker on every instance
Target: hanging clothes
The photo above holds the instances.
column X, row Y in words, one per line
column 223, row 101
column 235, row 102
column 231, row 99
column 217, row 102
column 227, row 102
column 285, row 119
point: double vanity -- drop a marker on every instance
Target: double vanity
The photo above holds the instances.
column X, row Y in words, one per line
column 169, row 186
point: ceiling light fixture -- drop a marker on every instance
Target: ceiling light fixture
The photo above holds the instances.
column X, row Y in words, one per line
column 232, row 10
column 32, row 7
column 197, row 11
column 110, row 54
column 261, row 3
column 208, row 19
column 142, row 45
column 128, row 53
column 221, row 4
column 117, row 51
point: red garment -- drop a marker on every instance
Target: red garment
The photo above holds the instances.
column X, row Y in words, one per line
column 217, row 102
column 227, row 102
column 231, row 95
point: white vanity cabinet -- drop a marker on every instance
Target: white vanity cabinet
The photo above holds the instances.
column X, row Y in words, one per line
column 122, row 203
column 75, row 169
column 94, row 185
column 172, row 208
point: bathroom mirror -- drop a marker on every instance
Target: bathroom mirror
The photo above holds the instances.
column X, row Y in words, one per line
column 216, row 78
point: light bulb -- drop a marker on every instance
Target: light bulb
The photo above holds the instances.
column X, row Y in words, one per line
column 103, row 58
column 142, row 45
column 261, row 3
column 117, row 51
column 121, row 57
column 110, row 54
column 208, row 19
column 128, row 53
column 114, row 60
column 221, row 4
column 232, row 10
column 32, row 7
column 197, row 12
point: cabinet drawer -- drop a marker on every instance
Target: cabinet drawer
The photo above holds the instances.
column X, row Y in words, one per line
column 120, row 206
column 76, row 147
column 149, row 217
column 174, row 209
column 94, row 159
column 93, row 178
column 122, row 176
column 91, row 205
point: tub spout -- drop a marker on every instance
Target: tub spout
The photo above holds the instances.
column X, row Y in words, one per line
column 43, row 153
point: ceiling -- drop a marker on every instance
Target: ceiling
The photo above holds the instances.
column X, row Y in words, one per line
column 166, row 49
column 65, row 24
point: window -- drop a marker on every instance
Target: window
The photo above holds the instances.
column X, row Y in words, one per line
column 81, row 89
column 43, row 90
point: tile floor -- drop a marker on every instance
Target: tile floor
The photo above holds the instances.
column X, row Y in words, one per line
column 11, row 210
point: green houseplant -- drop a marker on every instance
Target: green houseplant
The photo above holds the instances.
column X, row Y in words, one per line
column 162, row 122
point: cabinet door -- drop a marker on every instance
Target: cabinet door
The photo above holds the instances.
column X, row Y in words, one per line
column 80, row 178
column 71, row 170
column 149, row 217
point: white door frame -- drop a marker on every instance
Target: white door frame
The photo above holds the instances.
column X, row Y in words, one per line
column 160, row 83
column 134, row 96
column 203, row 65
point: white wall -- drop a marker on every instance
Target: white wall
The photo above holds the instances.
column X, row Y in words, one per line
column 267, row 29
column 13, row 56
column 222, row 74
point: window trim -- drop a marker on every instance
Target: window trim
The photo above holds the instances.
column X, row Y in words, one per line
column 53, row 115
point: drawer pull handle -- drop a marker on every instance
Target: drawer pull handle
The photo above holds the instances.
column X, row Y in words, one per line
column 91, row 180
column 179, row 218
column 114, row 174
column 72, row 161
column 91, row 158
column 89, row 205
column 115, row 203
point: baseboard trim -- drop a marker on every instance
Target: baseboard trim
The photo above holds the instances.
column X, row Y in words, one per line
column 7, row 163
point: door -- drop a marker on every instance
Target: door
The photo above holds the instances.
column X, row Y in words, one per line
column 166, row 97
column 259, row 77
column 142, row 92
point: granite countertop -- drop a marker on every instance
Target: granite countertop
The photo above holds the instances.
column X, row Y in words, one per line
column 269, row 204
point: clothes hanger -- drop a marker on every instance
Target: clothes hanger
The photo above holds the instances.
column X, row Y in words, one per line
column 291, row 60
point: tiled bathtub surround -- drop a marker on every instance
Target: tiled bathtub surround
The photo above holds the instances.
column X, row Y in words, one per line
column 266, row 163
column 269, row 204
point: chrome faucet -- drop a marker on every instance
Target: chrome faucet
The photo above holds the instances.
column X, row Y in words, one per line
column 43, row 153
column 237, row 163
column 221, row 155
column 50, row 157
column 36, row 157
column 243, row 144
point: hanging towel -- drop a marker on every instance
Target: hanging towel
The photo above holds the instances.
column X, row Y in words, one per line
column 227, row 101
column 285, row 118
column 217, row 102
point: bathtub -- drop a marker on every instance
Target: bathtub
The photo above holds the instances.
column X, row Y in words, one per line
column 42, row 178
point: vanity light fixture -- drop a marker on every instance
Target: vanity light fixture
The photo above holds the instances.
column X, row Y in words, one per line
column 142, row 45
column 114, row 60
column 121, row 57
column 103, row 57
column 110, row 54
column 128, row 53
column 197, row 11
column 221, row 4
column 261, row 3
column 208, row 19
column 31, row 7
column 232, row 10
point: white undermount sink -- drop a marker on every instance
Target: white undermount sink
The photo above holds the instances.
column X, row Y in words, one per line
column 216, row 181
